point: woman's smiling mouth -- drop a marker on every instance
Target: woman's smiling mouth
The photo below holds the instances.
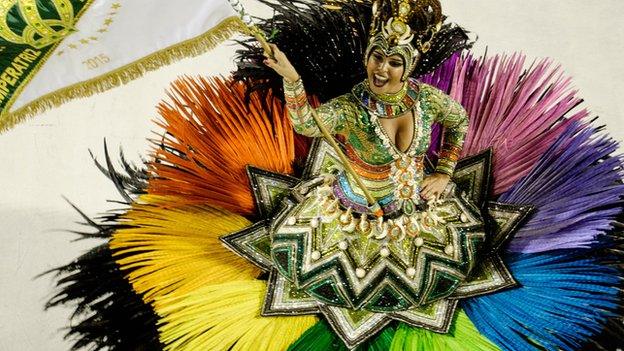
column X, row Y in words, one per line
column 379, row 81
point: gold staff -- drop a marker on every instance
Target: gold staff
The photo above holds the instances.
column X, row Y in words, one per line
column 261, row 38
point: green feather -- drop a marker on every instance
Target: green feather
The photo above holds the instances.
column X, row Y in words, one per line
column 462, row 336
column 320, row 337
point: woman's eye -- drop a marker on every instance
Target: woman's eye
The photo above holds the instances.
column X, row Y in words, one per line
column 396, row 63
column 378, row 57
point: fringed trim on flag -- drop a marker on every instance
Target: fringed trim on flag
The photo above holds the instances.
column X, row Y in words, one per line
column 189, row 48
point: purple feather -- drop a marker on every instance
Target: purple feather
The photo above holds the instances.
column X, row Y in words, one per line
column 516, row 111
column 577, row 190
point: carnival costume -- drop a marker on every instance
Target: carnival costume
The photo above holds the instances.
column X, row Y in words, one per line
column 233, row 241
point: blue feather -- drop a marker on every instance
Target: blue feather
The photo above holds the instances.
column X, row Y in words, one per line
column 564, row 297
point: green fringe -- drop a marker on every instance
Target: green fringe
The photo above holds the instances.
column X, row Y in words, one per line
column 462, row 336
column 321, row 338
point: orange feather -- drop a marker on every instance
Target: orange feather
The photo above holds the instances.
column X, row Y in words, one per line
column 212, row 133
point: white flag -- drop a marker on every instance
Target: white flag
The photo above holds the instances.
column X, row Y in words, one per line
column 55, row 50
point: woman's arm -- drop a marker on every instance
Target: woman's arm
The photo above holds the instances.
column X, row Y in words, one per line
column 332, row 113
column 454, row 119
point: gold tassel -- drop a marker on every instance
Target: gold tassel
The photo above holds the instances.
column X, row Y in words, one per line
column 123, row 75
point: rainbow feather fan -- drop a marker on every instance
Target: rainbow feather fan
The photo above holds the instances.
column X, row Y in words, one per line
column 163, row 280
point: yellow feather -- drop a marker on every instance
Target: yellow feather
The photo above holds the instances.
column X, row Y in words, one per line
column 226, row 317
column 175, row 250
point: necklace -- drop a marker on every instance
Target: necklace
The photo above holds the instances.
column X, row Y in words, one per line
column 387, row 105
column 392, row 98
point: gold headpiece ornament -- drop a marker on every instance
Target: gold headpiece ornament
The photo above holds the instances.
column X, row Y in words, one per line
column 404, row 27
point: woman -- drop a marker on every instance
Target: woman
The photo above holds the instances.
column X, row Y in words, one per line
column 385, row 82
column 385, row 126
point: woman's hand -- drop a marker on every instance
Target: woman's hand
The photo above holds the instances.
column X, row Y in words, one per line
column 281, row 65
column 433, row 185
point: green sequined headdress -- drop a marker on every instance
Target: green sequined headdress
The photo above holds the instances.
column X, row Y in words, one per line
column 404, row 27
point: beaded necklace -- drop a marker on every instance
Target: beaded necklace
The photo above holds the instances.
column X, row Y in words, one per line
column 387, row 107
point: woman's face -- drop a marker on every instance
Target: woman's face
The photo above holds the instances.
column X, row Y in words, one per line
column 384, row 72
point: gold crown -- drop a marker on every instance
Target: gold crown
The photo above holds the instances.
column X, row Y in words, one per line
column 403, row 27
column 34, row 30
column 402, row 21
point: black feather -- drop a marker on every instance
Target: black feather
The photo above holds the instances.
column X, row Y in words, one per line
column 108, row 313
column 327, row 47
column 134, row 182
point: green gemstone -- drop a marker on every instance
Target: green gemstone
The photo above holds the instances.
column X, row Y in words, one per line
column 408, row 209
